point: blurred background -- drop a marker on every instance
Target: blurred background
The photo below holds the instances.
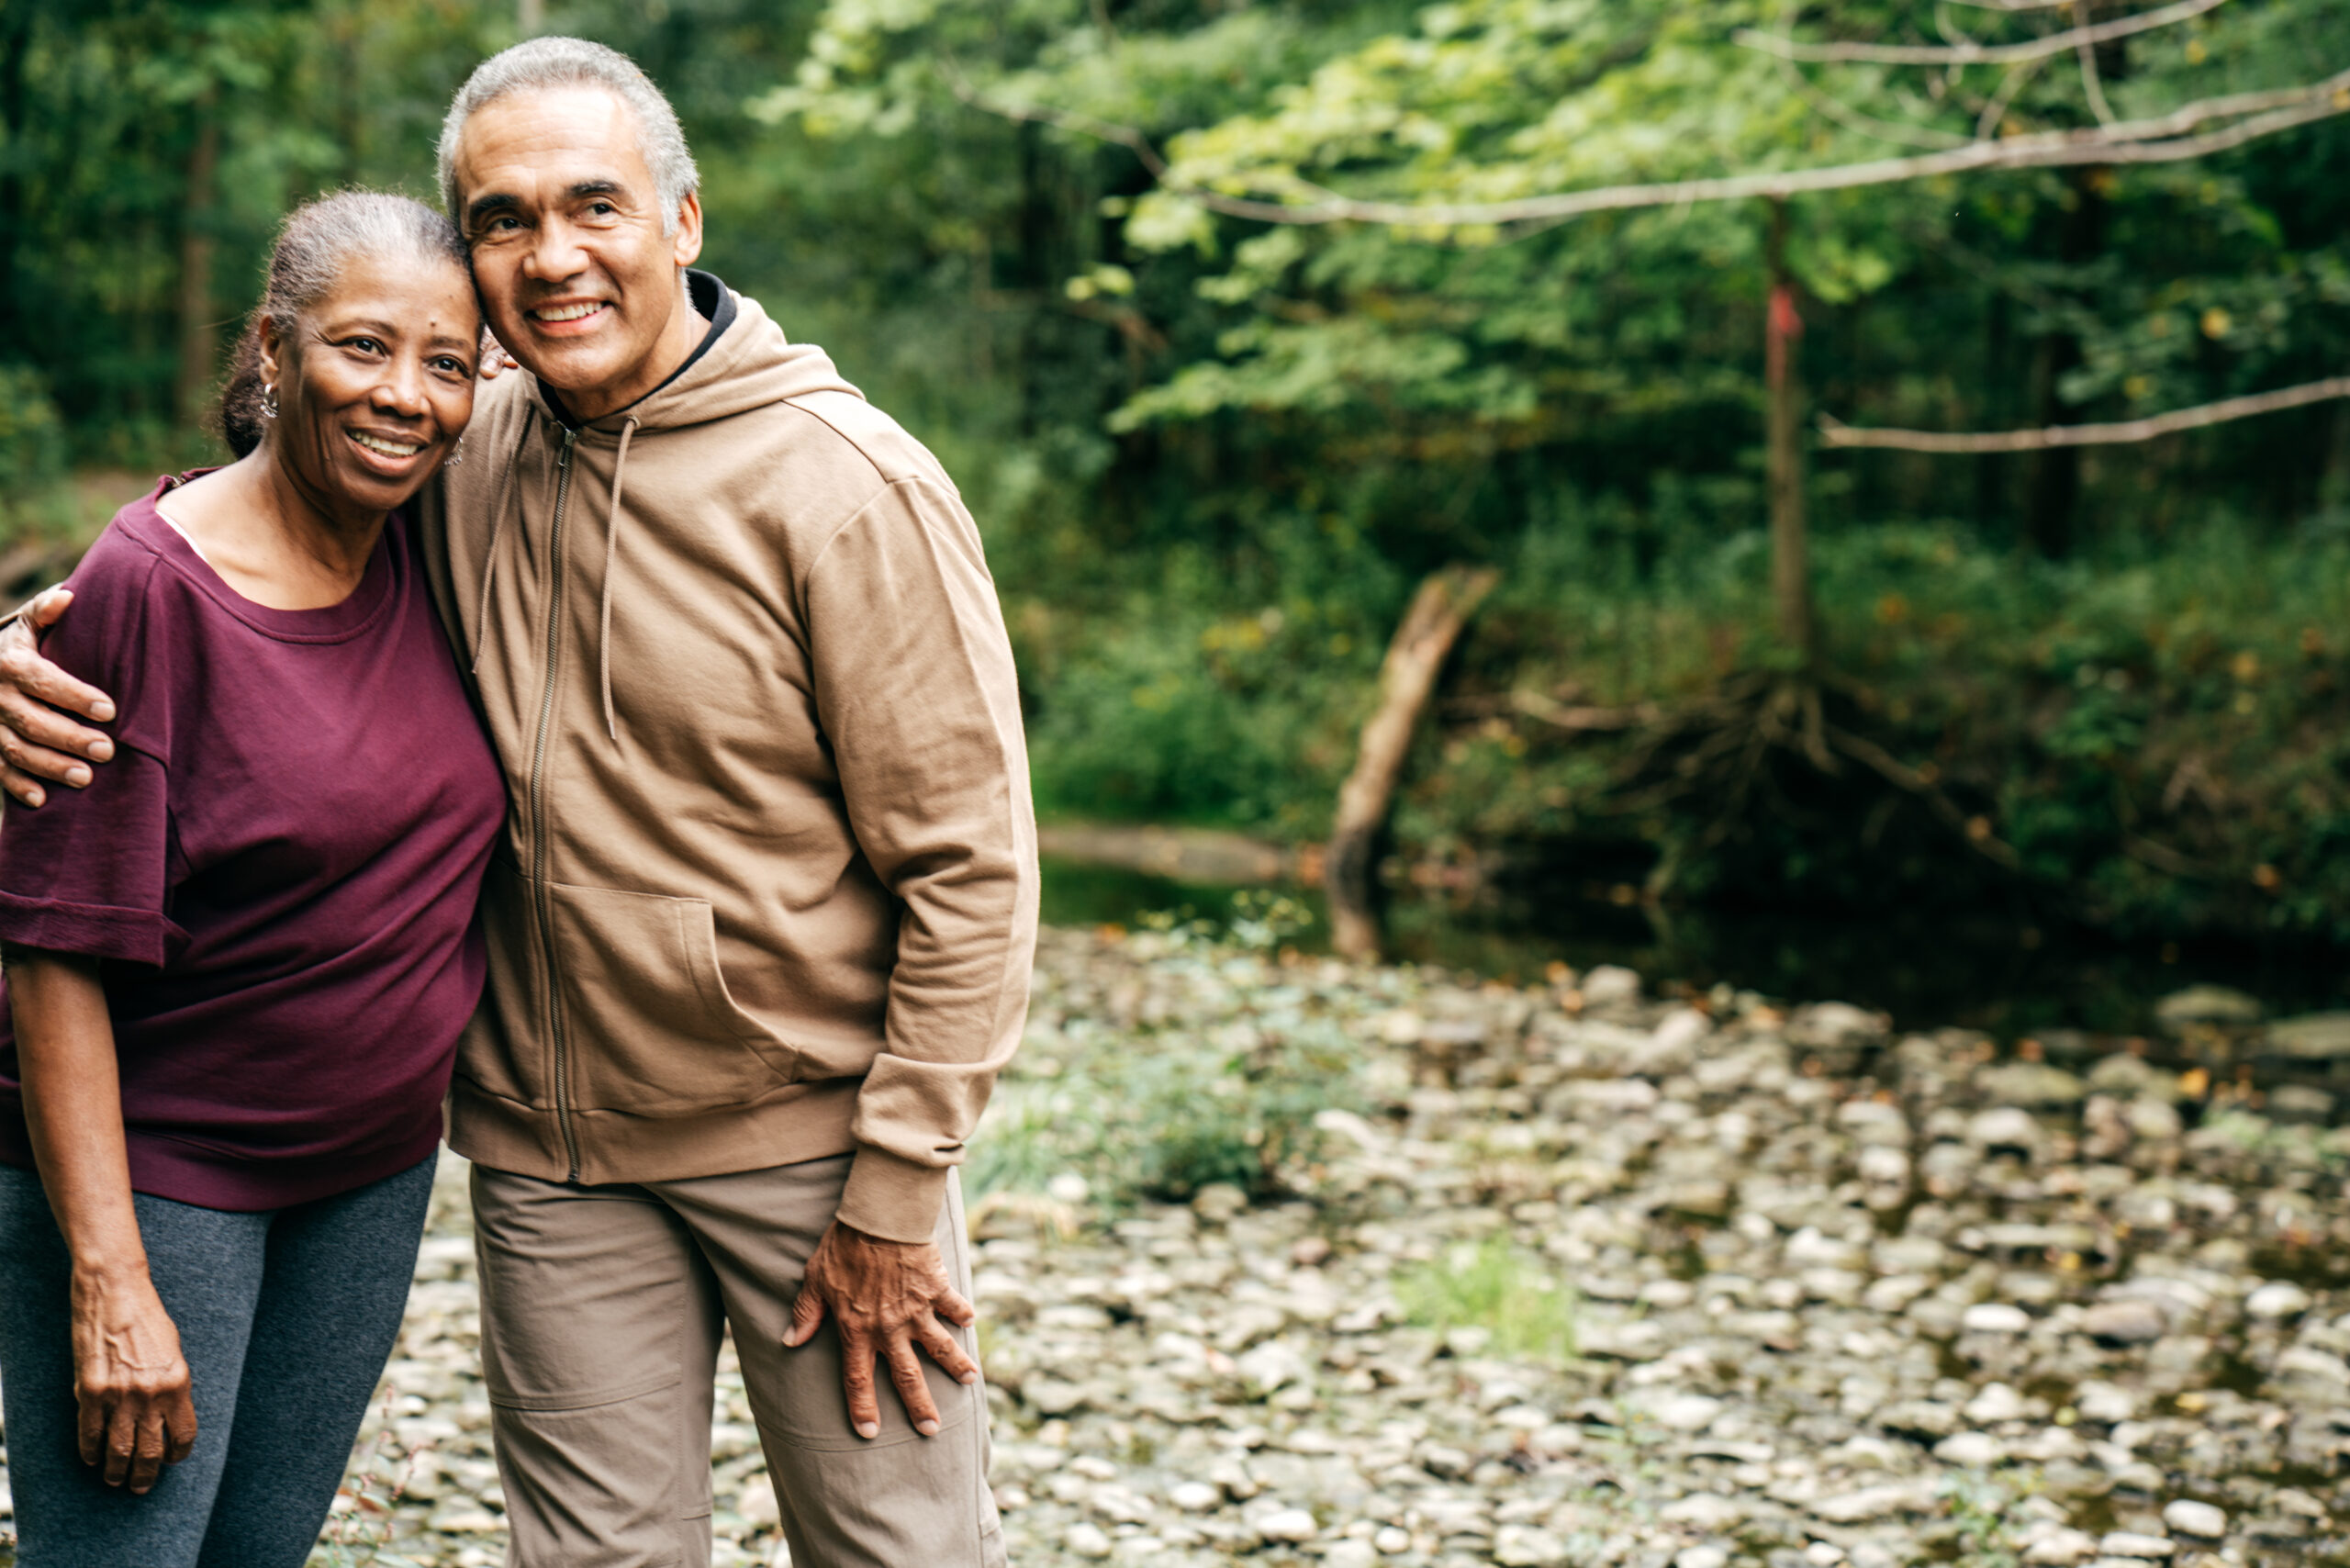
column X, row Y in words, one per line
column 2014, row 738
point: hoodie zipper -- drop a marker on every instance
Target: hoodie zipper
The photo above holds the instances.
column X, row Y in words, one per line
column 543, row 899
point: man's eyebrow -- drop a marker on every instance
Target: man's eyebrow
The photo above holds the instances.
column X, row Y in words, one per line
column 482, row 206
column 597, row 188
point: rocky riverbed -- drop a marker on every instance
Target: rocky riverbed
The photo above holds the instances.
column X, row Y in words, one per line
column 1571, row 1275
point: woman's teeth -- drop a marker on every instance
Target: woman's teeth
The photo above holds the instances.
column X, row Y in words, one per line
column 569, row 312
column 388, row 448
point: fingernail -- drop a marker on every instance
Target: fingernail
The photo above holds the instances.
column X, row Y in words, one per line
column 101, row 751
column 35, row 798
column 968, row 1380
column 77, row 776
column 868, row 1428
column 101, row 710
column 927, row 1428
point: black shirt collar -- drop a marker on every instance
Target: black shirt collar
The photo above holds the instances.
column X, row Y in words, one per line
column 715, row 302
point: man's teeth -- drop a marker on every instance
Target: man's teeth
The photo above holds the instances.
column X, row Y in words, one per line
column 569, row 312
column 388, row 448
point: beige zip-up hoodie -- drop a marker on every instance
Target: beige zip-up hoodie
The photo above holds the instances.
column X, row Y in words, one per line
column 769, row 887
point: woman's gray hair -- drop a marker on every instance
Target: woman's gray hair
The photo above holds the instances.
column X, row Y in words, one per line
column 574, row 63
column 316, row 245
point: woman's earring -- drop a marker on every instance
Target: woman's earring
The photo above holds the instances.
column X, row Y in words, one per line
column 456, row 453
column 269, row 402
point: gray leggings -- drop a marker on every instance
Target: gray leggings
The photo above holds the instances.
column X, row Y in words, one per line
column 285, row 1318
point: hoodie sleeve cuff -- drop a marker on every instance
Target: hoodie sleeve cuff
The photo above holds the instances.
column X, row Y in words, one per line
column 893, row 1198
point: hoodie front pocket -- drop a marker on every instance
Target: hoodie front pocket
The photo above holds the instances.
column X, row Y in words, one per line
column 648, row 1027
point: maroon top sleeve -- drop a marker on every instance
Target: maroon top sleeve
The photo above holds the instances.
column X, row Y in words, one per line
column 90, row 871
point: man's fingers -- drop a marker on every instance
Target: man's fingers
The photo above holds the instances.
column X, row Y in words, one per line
column 946, row 1351
column 34, row 677
column 807, row 1313
column 45, row 608
column 23, row 788
column 914, row 1389
column 951, row 1305
column 856, row 1379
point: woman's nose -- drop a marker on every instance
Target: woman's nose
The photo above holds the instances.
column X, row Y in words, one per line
column 401, row 390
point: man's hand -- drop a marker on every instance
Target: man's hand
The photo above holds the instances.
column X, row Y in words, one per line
column 137, row 1411
column 886, row 1297
column 495, row 360
column 36, row 740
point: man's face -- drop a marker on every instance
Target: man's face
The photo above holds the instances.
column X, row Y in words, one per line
column 577, row 278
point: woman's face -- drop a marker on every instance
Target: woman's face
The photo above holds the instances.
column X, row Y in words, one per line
column 375, row 383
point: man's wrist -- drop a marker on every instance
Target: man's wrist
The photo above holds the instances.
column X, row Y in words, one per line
column 891, row 1198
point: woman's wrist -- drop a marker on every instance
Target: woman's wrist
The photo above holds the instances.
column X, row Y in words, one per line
column 110, row 1271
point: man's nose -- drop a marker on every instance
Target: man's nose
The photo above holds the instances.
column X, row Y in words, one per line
column 555, row 253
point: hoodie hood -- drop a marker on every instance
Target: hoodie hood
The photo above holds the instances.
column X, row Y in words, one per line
column 743, row 362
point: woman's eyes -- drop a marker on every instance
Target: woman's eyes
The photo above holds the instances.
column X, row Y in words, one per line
column 364, row 345
column 453, row 366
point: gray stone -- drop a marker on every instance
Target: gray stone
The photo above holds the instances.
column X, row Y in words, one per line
column 2124, row 1322
column 2206, row 1004
column 2200, row 1520
column 2319, row 1036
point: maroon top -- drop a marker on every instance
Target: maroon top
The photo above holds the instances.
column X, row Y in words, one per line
column 279, row 868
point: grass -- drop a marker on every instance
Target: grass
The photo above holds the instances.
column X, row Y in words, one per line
column 1491, row 1285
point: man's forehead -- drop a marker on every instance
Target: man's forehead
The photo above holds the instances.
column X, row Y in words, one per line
column 559, row 137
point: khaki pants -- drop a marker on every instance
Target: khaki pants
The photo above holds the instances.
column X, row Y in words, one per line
column 600, row 1314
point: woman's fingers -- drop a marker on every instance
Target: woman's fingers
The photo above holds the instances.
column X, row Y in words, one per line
column 91, row 1428
column 148, row 1443
column 179, row 1427
column 122, row 1438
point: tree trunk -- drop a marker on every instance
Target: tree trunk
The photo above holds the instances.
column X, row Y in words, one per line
column 1407, row 680
column 2056, row 485
column 199, row 332
column 1790, row 534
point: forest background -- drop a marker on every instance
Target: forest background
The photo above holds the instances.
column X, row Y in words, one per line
column 1214, row 450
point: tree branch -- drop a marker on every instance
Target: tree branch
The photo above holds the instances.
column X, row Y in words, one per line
column 2161, row 139
column 1973, row 53
column 2091, row 87
column 1832, row 432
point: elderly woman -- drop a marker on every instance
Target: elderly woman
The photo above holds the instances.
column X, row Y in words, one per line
column 237, row 965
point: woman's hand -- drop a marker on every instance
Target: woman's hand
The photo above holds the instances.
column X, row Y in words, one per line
column 137, row 1413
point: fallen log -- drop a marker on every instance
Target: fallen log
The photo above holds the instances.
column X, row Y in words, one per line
column 1407, row 676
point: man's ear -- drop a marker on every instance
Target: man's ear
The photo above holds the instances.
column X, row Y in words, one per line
column 685, row 246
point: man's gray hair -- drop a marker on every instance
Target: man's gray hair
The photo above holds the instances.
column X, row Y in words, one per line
column 576, row 63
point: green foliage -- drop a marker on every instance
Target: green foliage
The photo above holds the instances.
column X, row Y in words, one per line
column 1212, row 456
column 1495, row 1287
column 1225, row 1094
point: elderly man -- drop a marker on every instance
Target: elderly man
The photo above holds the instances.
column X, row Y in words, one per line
column 761, row 926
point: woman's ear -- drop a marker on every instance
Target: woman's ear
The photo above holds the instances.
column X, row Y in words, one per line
column 271, row 342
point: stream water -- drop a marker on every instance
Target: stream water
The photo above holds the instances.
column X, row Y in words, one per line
column 1989, row 971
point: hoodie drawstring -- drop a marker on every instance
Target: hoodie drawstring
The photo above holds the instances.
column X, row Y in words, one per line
column 612, row 563
column 506, row 488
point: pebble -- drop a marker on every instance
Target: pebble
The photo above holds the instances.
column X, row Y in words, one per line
column 1288, row 1524
column 2201, row 1520
column 1804, row 1304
